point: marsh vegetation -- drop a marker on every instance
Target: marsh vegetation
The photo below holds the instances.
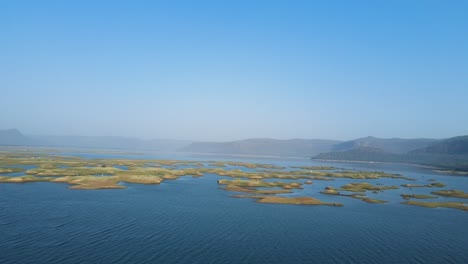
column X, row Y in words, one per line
column 429, row 185
column 358, row 195
column 417, row 196
column 454, row 205
column 452, row 193
column 265, row 183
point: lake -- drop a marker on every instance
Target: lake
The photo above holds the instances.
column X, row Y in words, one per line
column 192, row 220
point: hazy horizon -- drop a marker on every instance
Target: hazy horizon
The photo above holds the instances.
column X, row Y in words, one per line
column 217, row 71
column 228, row 140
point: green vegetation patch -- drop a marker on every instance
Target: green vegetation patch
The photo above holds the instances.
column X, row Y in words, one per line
column 23, row 179
column 251, row 186
column 360, row 196
column 103, row 174
column 364, row 186
column 10, row 170
column 347, row 174
column 372, row 200
column 454, row 205
column 313, row 167
column 246, row 164
column 429, row 185
column 417, row 196
column 287, row 200
column 235, row 188
column 255, row 183
column 452, row 193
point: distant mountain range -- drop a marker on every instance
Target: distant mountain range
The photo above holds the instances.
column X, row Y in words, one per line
column 391, row 145
column 449, row 153
column 265, row 146
column 13, row 137
column 258, row 146
column 451, row 146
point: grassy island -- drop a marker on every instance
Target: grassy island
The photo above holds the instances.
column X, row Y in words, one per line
column 452, row 193
column 295, row 200
column 10, row 170
column 23, row 179
column 361, row 187
column 265, row 184
column 251, row 186
column 372, row 200
column 245, row 164
column 454, row 205
column 360, row 196
column 313, row 167
column 255, row 183
column 417, row 196
column 330, row 190
column 429, row 185
column 287, row 200
column 107, row 173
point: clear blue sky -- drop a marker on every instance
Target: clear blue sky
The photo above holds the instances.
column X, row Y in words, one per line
column 225, row 70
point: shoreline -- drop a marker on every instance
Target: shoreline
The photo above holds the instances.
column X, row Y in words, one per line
column 242, row 155
column 67, row 150
column 435, row 169
column 382, row 162
column 137, row 152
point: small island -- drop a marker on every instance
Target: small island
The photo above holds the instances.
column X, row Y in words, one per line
column 429, row 185
column 294, row 200
column 417, row 196
column 365, row 186
column 313, row 167
column 305, row 200
column 10, row 170
column 266, row 183
column 360, row 196
column 454, row 205
column 452, row 193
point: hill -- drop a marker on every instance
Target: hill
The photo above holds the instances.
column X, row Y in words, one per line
column 449, row 153
column 12, row 137
column 264, row 146
column 451, row 146
column 109, row 142
column 390, row 145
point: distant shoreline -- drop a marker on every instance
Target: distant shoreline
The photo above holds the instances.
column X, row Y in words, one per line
column 104, row 151
column 432, row 168
column 138, row 152
column 382, row 162
column 243, row 155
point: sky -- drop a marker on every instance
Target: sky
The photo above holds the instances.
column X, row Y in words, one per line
column 228, row 70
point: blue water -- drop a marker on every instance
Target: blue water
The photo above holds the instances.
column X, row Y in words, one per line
column 191, row 220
